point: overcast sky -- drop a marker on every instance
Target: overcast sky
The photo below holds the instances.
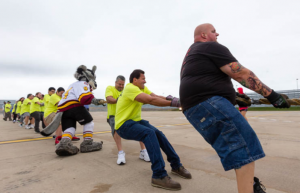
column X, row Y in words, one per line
column 43, row 42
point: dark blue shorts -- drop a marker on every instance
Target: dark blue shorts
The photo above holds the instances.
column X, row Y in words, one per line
column 227, row 131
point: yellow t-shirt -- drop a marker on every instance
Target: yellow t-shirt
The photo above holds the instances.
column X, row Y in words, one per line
column 42, row 107
column 46, row 100
column 25, row 107
column 112, row 91
column 7, row 108
column 52, row 105
column 127, row 107
column 19, row 107
column 34, row 107
column 14, row 108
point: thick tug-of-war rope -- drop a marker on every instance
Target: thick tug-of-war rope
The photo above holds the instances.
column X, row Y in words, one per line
column 265, row 101
column 246, row 102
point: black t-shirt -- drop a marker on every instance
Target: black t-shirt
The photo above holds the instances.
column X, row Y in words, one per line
column 201, row 77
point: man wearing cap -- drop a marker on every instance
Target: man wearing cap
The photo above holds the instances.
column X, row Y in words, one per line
column 7, row 108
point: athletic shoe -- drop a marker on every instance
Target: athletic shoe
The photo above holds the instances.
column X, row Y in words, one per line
column 31, row 126
column 21, row 125
column 182, row 172
column 57, row 139
column 166, row 183
column 14, row 121
column 75, row 138
column 144, row 155
column 258, row 187
column 27, row 127
column 121, row 159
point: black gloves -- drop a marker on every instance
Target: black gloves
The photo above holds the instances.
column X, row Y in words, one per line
column 278, row 100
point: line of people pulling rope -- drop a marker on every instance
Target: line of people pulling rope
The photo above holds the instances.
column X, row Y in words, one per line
column 207, row 98
column 38, row 108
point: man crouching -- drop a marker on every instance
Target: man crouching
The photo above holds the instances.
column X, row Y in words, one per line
column 129, row 125
column 71, row 105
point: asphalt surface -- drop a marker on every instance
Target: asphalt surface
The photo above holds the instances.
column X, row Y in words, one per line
column 28, row 162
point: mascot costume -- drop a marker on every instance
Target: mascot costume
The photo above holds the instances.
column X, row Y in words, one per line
column 71, row 110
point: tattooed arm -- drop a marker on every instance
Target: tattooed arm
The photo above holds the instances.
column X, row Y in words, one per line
column 246, row 78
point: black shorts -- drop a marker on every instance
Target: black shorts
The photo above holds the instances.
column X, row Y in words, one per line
column 244, row 110
column 73, row 115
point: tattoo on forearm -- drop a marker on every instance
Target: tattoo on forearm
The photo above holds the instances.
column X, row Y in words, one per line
column 265, row 89
column 235, row 67
column 243, row 82
column 253, row 83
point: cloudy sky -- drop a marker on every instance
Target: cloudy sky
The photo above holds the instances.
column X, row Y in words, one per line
column 43, row 42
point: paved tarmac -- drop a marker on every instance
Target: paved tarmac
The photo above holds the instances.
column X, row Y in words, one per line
column 28, row 162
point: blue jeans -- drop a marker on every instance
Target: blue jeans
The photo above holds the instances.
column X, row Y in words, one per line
column 153, row 139
column 227, row 131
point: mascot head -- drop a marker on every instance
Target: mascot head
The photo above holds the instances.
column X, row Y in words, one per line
column 84, row 74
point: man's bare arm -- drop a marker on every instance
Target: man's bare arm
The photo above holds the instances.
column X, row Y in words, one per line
column 111, row 100
column 246, row 78
column 154, row 95
column 148, row 99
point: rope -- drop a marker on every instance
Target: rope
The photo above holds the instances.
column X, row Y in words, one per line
column 291, row 101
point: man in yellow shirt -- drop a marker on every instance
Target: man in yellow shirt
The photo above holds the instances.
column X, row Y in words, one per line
column 129, row 125
column 25, row 112
column 18, row 110
column 51, row 91
column 51, row 109
column 7, row 108
column 112, row 94
column 14, row 110
column 35, row 111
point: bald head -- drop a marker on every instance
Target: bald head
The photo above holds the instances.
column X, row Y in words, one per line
column 205, row 33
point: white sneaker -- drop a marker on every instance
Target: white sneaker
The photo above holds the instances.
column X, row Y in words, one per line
column 31, row 126
column 144, row 155
column 121, row 159
column 14, row 121
column 21, row 125
column 27, row 127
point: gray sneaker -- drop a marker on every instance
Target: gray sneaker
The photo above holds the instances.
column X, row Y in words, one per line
column 89, row 146
column 166, row 183
column 65, row 147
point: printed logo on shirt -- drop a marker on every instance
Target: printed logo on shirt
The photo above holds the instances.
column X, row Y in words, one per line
column 85, row 88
